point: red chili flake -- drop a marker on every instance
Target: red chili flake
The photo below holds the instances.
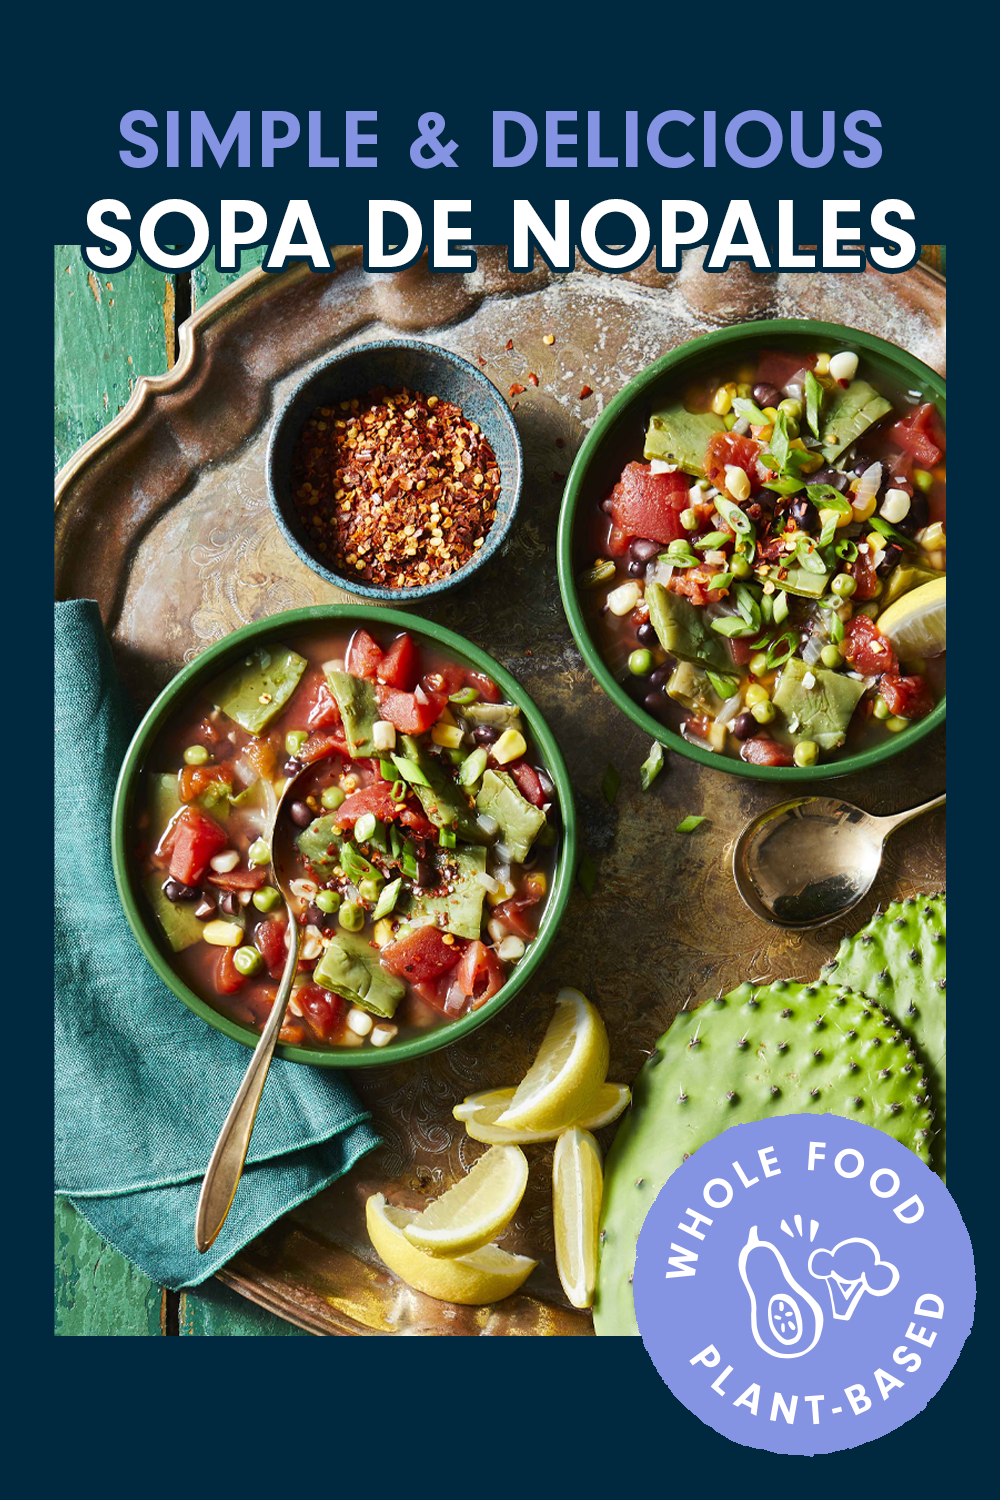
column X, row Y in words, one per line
column 480, row 359
column 396, row 488
column 509, row 344
column 585, row 391
column 516, row 389
column 532, row 378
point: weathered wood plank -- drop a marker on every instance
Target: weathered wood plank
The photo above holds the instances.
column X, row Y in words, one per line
column 97, row 1292
column 109, row 330
column 206, row 280
column 215, row 1311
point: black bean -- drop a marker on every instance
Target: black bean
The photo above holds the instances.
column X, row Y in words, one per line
column 864, row 462
column 916, row 517
column 744, row 725
column 292, row 767
column 804, row 513
column 647, row 635
column 205, row 909
column 230, row 904
column 485, row 734
column 766, row 394
column 176, row 890
column 315, row 916
column 653, row 702
column 301, row 814
column 660, row 676
column 832, row 477
column 644, row 551
column 636, row 569
column 607, row 505
column 893, row 553
column 426, row 875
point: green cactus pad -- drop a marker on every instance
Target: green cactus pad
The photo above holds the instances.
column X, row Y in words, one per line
column 899, row 960
column 759, row 1052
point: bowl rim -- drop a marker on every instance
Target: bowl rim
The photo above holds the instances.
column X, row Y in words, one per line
column 206, row 665
column 771, row 328
column 498, row 532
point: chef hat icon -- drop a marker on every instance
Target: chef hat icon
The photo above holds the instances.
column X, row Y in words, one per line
column 850, row 1269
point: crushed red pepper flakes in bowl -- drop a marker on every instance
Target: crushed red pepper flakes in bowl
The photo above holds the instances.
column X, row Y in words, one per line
column 395, row 488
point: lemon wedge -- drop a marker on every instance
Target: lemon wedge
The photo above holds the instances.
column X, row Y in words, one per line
column 565, row 1078
column 479, row 1114
column 485, row 1275
column 577, row 1184
column 475, row 1210
column 915, row 624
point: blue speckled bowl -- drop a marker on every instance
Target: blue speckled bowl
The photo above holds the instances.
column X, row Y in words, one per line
column 394, row 363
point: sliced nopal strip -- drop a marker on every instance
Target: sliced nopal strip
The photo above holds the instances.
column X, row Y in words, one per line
column 758, row 1052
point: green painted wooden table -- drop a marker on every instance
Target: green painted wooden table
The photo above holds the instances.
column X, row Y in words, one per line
column 108, row 331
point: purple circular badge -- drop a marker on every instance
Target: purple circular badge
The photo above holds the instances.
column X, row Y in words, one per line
column 804, row 1285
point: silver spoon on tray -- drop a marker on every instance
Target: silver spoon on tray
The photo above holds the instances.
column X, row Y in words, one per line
column 222, row 1176
column 810, row 860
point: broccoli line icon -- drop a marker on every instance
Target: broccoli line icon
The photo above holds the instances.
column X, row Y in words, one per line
column 850, row 1269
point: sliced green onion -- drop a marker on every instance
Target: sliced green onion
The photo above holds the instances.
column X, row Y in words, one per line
column 721, row 580
column 828, row 498
column 724, row 686
column 814, row 402
column 387, row 770
column 846, row 549
column 828, row 531
column 712, row 540
column 446, row 838
column 409, row 770
column 733, row 627
column 679, row 553
column 749, row 410
column 610, row 784
column 736, row 519
column 473, row 767
column 688, row 824
column 387, row 900
column 365, row 827
column 399, row 791
column 783, row 486
column 808, row 555
column 779, row 611
column 464, row 695
column 782, row 650
column 748, row 604
column 652, row 765
column 877, row 524
column 836, row 628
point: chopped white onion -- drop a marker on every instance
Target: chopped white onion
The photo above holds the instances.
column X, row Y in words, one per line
column 489, row 825
column 660, row 466
column 812, row 650
column 727, row 713
column 659, row 572
column 304, row 889
column 488, row 882
column 224, row 862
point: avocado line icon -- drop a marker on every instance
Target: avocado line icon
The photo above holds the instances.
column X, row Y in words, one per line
column 785, row 1320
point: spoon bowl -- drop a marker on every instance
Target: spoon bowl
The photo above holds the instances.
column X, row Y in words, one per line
column 810, row 860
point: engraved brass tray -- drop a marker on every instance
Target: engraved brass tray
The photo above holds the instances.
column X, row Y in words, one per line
column 163, row 519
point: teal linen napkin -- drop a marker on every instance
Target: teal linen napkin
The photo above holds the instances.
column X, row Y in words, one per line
column 142, row 1084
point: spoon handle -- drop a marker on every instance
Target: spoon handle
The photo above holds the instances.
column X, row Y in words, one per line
column 225, row 1169
column 898, row 819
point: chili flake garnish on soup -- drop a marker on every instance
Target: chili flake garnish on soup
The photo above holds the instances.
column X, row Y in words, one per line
column 398, row 489
column 770, row 581
column 427, row 824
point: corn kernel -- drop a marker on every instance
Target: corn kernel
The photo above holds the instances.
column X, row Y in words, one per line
column 223, row 934
column 447, row 735
column 382, row 933
column 510, row 746
column 755, row 693
column 875, row 541
column 822, row 365
column 864, row 511
column 536, row 884
column 771, row 413
column 503, row 892
column 932, row 537
column 843, row 520
column 722, row 401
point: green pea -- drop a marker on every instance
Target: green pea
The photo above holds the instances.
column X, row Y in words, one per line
column 806, row 753
column 328, row 901
column 831, row 656
column 332, row 798
column 793, row 409
column 370, row 890
column 195, row 755
column 895, row 724
column 640, row 663
column 351, row 916
column 843, row 585
column 248, row 961
column 267, row 898
column 764, row 712
column 294, row 740
column 922, row 479
column 881, row 709
column 758, row 663
column 689, row 520
column 259, row 852
column 739, row 566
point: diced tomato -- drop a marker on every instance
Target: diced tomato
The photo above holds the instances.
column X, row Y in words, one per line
column 321, row 744
column 909, row 697
column 695, row 584
column 228, row 978
column 730, row 449
column 421, row 956
column 480, row 974
column 323, row 712
column 741, row 651
column 363, row 655
column 649, row 505
column 485, row 686
column 618, row 541
column 777, row 366
column 517, row 915
column 321, row 1009
column 196, row 838
column 261, row 757
column 764, row 752
column 193, row 780
column 400, row 666
column 378, row 799
column 434, row 992
column 528, row 782
column 921, row 434
column 240, row 880
column 866, row 648
column 270, row 939
column 407, row 712
column 862, row 570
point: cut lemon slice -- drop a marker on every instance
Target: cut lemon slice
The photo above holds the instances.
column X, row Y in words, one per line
column 565, row 1078
column 480, row 1112
column 915, row 624
column 577, row 1184
column 486, row 1275
column 476, row 1209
